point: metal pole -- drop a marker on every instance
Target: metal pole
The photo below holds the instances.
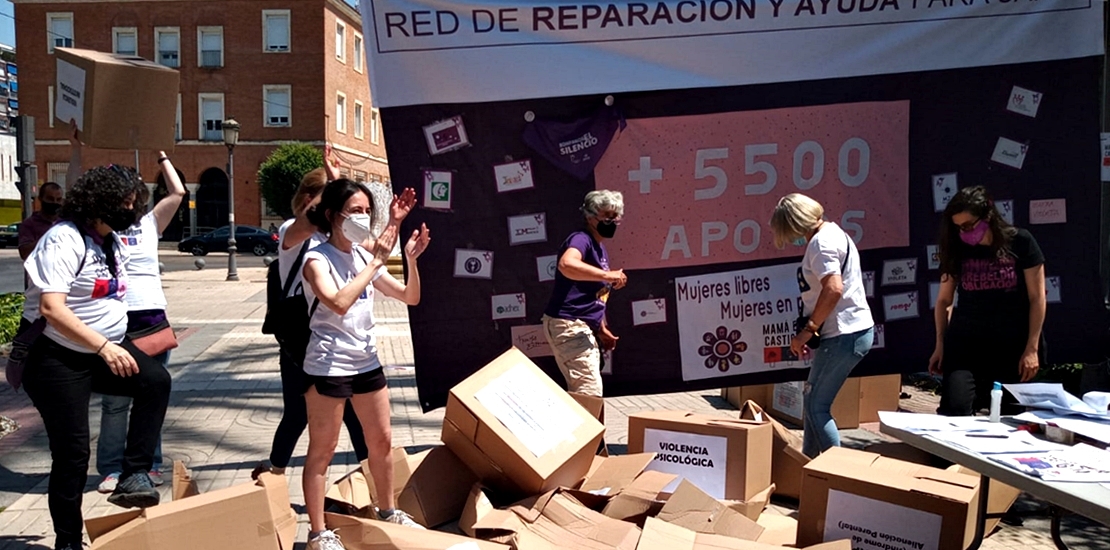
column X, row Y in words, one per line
column 232, row 270
column 30, row 179
column 192, row 189
column 137, row 161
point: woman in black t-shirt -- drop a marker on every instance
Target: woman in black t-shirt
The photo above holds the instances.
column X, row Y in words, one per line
column 995, row 272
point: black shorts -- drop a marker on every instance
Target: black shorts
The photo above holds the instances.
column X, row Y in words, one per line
column 343, row 387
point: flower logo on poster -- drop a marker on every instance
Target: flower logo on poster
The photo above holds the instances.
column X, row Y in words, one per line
column 723, row 349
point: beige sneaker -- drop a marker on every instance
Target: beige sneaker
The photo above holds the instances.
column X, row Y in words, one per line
column 326, row 540
column 401, row 518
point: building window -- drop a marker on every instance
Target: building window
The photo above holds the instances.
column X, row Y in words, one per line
column 211, row 109
column 125, row 40
column 275, row 30
column 177, row 121
column 360, row 175
column 167, row 40
column 59, row 31
column 56, row 172
column 375, row 132
column 49, row 106
column 358, row 119
column 210, row 43
column 358, row 52
column 341, row 112
column 341, row 41
column 277, row 101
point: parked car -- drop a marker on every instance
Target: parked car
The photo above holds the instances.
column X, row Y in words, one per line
column 255, row 239
column 9, row 235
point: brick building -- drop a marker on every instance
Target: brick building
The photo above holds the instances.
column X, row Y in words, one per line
column 286, row 70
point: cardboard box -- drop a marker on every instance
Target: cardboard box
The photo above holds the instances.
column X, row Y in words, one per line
column 364, row 534
column 727, row 458
column 556, row 520
column 787, row 459
column 250, row 516
column 859, row 400
column 518, row 430
column 351, row 493
column 754, row 506
column 182, row 485
column 737, row 395
column 855, row 493
column 778, row 530
column 641, row 499
column 660, row 535
column 596, row 406
column 118, row 101
column 691, row 508
column 1000, row 497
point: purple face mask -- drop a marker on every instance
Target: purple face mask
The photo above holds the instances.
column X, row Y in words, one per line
column 974, row 236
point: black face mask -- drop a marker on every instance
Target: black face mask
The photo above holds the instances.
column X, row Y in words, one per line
column 50, row 208
column 606, row 228
column 119, row 219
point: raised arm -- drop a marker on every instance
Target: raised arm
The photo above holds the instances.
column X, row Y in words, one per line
column 331, row 164
column 167, row 207
column 409, row 291
column 74, row 170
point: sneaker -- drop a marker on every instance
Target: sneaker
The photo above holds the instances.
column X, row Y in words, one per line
column 108, row 484
column 326, row 540
column 156, row 478
column 135, row 491
column 400, row 518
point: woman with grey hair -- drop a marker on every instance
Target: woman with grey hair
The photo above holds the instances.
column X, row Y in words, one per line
column 836, row 320
column 574, row 321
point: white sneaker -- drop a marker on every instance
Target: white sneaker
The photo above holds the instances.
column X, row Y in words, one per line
column 108, row 484
column 401, row 518
column 156, row 478
column 326, row 540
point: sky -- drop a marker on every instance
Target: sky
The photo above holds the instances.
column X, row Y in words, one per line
column 7, row 24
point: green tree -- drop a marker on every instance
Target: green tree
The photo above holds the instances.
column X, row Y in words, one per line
column 280, row 174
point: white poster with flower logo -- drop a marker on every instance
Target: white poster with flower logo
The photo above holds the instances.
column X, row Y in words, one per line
column 738, row 322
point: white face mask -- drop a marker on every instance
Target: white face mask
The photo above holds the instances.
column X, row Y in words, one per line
column 356, row 227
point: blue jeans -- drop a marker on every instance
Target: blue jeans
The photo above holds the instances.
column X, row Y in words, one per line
column 832, row 362
column 113, row 430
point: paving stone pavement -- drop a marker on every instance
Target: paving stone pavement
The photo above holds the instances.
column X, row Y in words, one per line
column 226, row 404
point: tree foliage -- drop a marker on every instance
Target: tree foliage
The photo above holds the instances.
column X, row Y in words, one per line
column 280, row 174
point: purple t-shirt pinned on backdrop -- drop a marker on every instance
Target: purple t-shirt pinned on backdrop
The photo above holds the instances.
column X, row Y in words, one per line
column 576, row 146
column 581, row 300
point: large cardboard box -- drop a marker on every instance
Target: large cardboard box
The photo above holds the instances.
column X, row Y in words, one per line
column 691, row 508
column 250, row 516
column 787, row 459
column 364, row 534
column 556, row 520
column 737, row 395
column 849, row 493
column 660, row 535
column 1000, row 497
column 859, row 400
column 727, row 458
column 118, row 101
column 518, row 430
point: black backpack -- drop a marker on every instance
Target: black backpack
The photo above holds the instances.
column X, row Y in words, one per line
column 286, row 316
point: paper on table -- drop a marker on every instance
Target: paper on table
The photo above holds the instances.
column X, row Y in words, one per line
column 925, row 423
column 1082, row 463
column 1087, row 427
column 990, row 443
column 1053, row 396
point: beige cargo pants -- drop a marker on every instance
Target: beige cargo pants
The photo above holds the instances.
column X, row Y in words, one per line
column 577, row 353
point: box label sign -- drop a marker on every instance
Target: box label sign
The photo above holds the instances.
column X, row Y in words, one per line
column 532, row 413
column 70, row 104
column 876, row 525
column 699, row 459
column 788, row 398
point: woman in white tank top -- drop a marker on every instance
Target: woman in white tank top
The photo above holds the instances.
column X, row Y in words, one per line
column 341, row 362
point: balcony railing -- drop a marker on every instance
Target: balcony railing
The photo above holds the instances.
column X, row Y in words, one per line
column 171, row 59
column 211, row 58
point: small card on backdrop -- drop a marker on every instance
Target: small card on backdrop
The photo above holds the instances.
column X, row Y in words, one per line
column 446, row 135
column 880, row 337
column 1024, row 102
column 944, row 188
column 1006, row 210
column 473, row 264
column 900, row 306
column 1048, row 211
column 529, row 228
column 932, row 252
column 1052, row 290
column 531, row 340
column 1010, row 153
column 508, row 306
column 900, row 272
column 546, row 266
column 869, row 283
column 647, row 312
column 513, row 176
column 437, row 189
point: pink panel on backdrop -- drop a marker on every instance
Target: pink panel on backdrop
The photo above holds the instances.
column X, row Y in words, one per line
column 697, row 189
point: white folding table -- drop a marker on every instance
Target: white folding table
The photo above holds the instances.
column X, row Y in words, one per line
column 1091, row 500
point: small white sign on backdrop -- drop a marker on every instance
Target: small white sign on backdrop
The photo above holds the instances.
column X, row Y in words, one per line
column 1010, row 153
column 647, row 312
column 849, row 516
column 473, row 264
column 880, row 337
column 934, row 293
column 546, row 266
column 900, row 306
column 900, row 272
column 437, row 189
column 70, row 87
column 508, row 306
column 446, row 135
column 1024, row 102
column 529, row 228
column 932, row 252
column 1105, row 142
column 513, row 176
column 1052, row 290
column 1006, row 210
column 869, row 283
column 699, row 459
column 944, row 188
column 531, row 340
column 1048, row 211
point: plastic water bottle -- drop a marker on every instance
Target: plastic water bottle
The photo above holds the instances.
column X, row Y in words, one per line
column 996, row 402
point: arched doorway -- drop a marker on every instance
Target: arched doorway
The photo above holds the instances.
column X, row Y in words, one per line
column 176, row 229
column 212, row 200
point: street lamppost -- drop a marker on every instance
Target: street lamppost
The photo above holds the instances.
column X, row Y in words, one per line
column 231, row 137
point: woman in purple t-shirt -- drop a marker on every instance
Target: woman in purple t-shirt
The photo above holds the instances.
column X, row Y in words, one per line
column 574, row 321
